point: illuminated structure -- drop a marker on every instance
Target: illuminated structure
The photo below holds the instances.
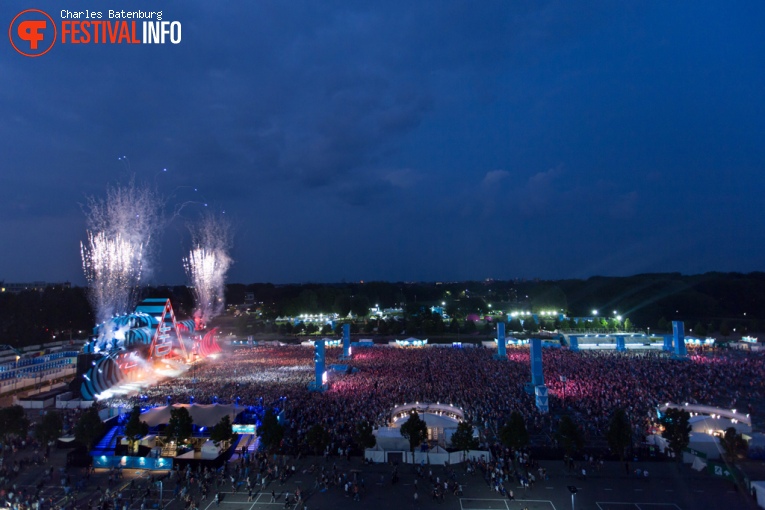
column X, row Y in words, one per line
column 346, row 342
column 319, row 359
column 140, row 340
column 501, row 347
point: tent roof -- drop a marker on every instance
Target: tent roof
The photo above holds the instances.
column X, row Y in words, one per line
column 699, row 437
column 203, row 415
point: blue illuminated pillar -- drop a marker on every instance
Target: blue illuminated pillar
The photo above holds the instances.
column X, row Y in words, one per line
column 537, row 378
column 573, row 343
column 540, row 394
column 346, row 341
column 668, row 343
column 678, row 334
column 620, row 344
column 319, row 370
column 501, row 349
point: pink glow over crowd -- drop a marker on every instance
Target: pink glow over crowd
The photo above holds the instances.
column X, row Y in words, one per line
column 486, row 389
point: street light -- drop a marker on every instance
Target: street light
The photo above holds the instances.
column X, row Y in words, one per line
column 573, row 490
column 594, row 313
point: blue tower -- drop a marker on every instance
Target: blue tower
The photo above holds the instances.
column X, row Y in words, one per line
column 346, row 342
column 678, row 334
column 537, row 378
column 501, row 342
column 320, row 382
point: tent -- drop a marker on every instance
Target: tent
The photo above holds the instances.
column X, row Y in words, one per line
column 759, row 489
column 202, row 415
column 375, row 454
column 698, row 464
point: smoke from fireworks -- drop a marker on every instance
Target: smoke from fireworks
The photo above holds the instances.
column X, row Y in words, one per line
column 207, row 264
column 113, row 269
column 121, row 230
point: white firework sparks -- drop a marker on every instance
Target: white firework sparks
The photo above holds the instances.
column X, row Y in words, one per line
column 121, row 230
column 206, row 270
column 113, row 268
column 207, row 265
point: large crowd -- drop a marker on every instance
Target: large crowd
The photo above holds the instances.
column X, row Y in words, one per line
column 596, row 383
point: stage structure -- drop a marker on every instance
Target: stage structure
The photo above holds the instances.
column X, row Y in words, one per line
column 537, row 384
column 346, row 342
column 127, row 348
column 319, row 359
column 501, row 348
column 678, row 334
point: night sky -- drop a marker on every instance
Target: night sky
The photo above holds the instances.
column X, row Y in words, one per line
column 410, row 140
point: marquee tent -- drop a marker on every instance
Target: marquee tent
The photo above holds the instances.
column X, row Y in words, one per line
column 202, row 415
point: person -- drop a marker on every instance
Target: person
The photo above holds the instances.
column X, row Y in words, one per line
column 416, row 496
column 273, row 496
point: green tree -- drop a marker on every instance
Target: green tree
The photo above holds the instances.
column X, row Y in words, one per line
column 725, row 328
column 364, row 436
column 463, row 439
column 270, row 432
column 50, row 427
column 699, row 329
column 676, row 430
column 181, row 426
column 627, row 324
column 342, row 305
column 311, row 329
column 569, row 435
column 663, row 324
column 360, row 305
column 619, row 433
column 317, row 438
column 734, row 444
column 135, row 428
column 13, row 421
column 89, row 427
column 515, row 325
column 222, row 431
column 415, row 430
column 531, row 325
column 513, row 433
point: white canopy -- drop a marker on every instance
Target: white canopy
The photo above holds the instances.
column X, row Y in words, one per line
column 202, row 415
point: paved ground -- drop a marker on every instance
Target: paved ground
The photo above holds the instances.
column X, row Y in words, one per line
column 669, row 487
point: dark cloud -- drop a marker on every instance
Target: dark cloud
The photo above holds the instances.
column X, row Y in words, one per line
column 403, row 140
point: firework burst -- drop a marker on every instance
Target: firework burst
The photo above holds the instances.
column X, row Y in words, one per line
column 207, row 264
column 121, row 230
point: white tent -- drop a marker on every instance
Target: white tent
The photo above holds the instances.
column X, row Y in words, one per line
column 759, row 489
column 375, row 454
column 698, row 464
column 202, row 415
